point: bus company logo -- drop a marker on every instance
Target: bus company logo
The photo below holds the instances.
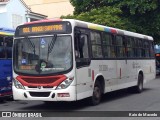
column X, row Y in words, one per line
column 39, row 87
column 6, row 114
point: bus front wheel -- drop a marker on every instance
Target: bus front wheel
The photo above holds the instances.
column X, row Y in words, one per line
column 97, row 94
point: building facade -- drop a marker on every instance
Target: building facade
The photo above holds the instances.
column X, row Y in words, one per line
column 16, row 12
column 51, row 8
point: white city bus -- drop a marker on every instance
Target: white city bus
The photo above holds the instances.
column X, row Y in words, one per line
column 69, row 60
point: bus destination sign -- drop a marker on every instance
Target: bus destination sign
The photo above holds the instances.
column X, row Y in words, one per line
column 43, row 28
column 36, row 29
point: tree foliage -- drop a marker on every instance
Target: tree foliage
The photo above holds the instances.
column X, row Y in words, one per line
column 107, row 16
column 142, row 16
column 131, row 6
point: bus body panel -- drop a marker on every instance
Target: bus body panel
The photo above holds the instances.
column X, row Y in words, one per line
column 109, row 72
column 71, row 90
column 5, row 77
column 118, row 73
column 6, row 40
column 148, row 69
column 84, row 82
column 20, row 95
column 131, row 70
column 122, row 71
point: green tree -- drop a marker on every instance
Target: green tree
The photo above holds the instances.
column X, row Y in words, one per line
column 107, row 16
column 130, row 6
column 142, row 16
column 87, row 5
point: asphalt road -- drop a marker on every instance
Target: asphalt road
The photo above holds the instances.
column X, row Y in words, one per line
column 148, row 100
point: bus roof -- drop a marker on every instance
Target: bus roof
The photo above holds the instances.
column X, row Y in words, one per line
column 108, row 29
column 7, row 31
column 96, row 27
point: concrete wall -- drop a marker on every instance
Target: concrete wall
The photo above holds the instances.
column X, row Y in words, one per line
column 51, row 8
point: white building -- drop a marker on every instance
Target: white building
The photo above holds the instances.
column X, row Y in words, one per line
column 15, row 12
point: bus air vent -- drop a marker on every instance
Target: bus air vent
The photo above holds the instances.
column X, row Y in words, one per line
column 39, row 94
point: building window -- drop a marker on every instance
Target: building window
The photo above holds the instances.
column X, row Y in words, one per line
column 16, row 20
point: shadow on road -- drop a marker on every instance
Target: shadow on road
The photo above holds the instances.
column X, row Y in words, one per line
column 58, row 106
column 120, row 94
column 77, row 105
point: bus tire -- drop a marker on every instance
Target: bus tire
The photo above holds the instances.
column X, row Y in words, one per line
column 97, row 94
column 139, row 87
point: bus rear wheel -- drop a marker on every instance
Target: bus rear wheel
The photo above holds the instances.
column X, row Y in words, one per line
column 97, row 94
column 139, row 87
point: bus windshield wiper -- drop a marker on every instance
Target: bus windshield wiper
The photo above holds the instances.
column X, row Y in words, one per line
column 51, row 45
column 32, row 45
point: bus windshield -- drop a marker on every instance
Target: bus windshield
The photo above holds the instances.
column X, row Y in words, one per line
column 43, row 55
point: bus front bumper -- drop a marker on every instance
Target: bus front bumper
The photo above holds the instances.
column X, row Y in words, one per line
column 67, row 94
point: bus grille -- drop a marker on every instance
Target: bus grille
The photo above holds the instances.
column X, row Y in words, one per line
column 37, row 86
column 45, row 82
column 40, row 80
column 39, row 94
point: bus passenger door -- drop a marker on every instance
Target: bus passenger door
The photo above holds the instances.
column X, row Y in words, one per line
column 83, row 72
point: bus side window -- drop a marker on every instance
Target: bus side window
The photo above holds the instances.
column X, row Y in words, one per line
column 81, row 49
column 2, row 52
column 120, row 46
column 84, row 45
column 151, row 49
column 96, row 44
column 9, row 42
column 81, row 46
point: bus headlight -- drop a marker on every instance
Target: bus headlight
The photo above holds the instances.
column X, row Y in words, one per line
column 65, row 83
column 17, row 84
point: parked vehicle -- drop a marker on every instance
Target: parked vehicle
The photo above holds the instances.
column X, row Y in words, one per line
column 6, row 41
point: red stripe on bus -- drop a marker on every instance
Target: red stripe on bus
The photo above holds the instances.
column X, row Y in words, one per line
column 113, row 31
column 48, row 81
column 120, row 73
column 93, row 75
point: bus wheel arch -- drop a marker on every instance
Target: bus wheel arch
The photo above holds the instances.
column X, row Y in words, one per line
column 98, row 90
